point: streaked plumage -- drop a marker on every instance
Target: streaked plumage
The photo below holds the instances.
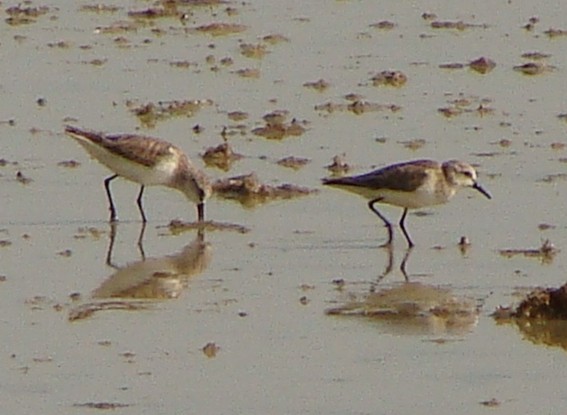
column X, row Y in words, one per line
column 410, row 185
column 145, row 160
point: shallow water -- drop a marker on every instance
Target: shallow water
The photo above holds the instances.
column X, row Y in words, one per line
column 279, row 352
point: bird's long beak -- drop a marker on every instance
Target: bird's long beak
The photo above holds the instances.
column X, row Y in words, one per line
column 482, row 190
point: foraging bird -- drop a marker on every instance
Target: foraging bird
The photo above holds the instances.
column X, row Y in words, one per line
column 147, row 161
column 410, row 185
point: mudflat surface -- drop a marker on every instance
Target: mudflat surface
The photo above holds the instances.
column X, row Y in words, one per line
column 258, row 299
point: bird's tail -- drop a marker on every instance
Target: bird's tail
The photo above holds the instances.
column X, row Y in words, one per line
column 83, row 134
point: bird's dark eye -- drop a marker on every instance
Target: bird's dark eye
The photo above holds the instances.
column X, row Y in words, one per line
column 467, row 173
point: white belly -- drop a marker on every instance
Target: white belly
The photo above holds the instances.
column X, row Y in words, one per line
column 159, row 174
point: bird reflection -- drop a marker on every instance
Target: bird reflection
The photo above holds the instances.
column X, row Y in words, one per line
column 390, row 266
column 113, row 227
column 155, row 278
column 413, row 308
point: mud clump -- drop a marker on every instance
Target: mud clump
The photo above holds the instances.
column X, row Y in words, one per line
column 19, row 15
column 293, row 162
column 545, row 253
column 149, row 114
column 541, row 316
column 177, row 227
column 357, row 105
column 389, row 78
column 482, row 65
column 249, row 191
column 534, row 68
column 276, row 127
column 221, row 156
column 338, row 165
column 550, row 304
column 220, row 29
column 210, row 349
column 320, row 86
column 467, row 105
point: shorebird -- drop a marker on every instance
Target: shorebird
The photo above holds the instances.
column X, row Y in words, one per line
column 410, row 185
column 146, row 161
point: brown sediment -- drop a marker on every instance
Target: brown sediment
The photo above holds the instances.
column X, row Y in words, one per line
column 149, row 114
column 541, row 316
column 555, row 32
column 293, row 162
column 249, row 191
column 414, row 144
column 221, row 156
column 101, row 405
column 210, row 349
column 257, row 51
column 552, row 178
column 482, row 65
column 276, row 128
column 383, row 25
column 320, row 86
column 338, row 165
column 536, row 56
column 533, row 68
column 248, row 73
column 70, row 164
column 84, row 232
column 467, row 105
column 357, row 107
column 545, row 253
column 20, row 15
column 459, row 25
column 220, row 29
column 452, row 65
column 177, row 227
column 238, row 115
column 389, row 78
column 99, row 8
column 274, row 39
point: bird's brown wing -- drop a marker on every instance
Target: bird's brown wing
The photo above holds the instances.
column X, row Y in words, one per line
column 144, row 150
column 404, row 177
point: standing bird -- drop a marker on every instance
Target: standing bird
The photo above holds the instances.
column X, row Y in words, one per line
column 147, row 161
column 410, row 185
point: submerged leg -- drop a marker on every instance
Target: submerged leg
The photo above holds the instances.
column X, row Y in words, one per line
column 139, row 202
column 403, row 226
column 404, row 262
column 111, row 245
column 201, row 211
column 386, row 222
column 109, row 196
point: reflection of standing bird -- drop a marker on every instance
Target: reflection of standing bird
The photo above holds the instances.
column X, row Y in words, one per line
column 410, row 185
column 158, row 278
column 147, row 161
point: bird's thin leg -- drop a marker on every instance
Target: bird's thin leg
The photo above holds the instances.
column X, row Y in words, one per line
column 109, row 196
column 386, row 222
column 141, row 241
column 139, row 202
column 201, row 211
column 403, row 226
